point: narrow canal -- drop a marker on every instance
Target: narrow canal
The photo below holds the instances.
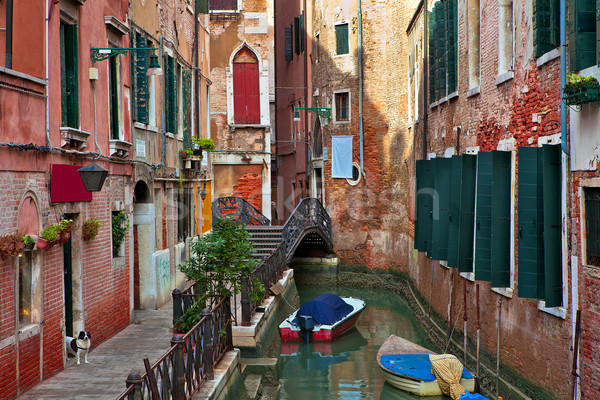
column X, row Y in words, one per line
column 347, row 367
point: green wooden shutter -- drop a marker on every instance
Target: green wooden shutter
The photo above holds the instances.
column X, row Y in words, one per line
column 341, row 35
column 582, row 34
column 552, row 225
column 598, row 32
column 186, row 85
column 431, row 54
column 467, row 213
column 451, row 43
column 297, row 35
column 302, row 33
column 501, row 212
column 454, row 213
column 483, row 217
column 114, row 98
column 424, row 201
column 289, row 53
column 441, row 203
column 63, row 78
column 132, row 63
column 531, row 224
column 542, row 17
column 202, row 6
column 440, row 49
column 141, row 81
column 171, row 94
column 69, row 76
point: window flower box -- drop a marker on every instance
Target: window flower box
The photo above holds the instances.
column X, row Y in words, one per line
column 580, row 90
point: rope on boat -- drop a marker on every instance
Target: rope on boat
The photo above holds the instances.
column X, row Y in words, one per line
column 448, row 371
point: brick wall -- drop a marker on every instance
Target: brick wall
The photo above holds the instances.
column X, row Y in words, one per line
column 249, row 187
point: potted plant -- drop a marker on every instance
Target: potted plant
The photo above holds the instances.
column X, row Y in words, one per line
column 90, row 228
column 184, row 153
column 29, row 242
column 11, row 245
column 204, row 143
column 47, row 238
column 63, row 229
column 580, row 90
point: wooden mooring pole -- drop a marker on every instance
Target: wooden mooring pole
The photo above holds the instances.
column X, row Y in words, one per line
column 498, row 345
column 478, row 326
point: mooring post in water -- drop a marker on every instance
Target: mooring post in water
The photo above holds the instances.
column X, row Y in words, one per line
column 465, row 319
column 478, row 327
column 498, row 345
column 574, row 374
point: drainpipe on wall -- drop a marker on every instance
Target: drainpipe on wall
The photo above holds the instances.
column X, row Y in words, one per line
column 360, row 87
column 563, row 75
column 9, row 33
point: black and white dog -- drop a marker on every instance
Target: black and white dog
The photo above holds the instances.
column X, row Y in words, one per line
column 80, row 345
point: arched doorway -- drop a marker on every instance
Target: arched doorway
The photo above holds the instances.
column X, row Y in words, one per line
column 246, row 92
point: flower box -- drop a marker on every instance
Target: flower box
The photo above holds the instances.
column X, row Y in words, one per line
column 581, row 94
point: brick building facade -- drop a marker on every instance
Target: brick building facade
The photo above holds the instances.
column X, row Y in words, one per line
column 241, row 53
column 81, row 102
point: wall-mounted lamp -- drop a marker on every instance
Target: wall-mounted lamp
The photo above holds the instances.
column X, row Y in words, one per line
column 203, row 191
column 320, row 111
column 104, row 53
column 93, row 177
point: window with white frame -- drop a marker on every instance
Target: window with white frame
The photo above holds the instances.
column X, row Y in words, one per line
column 342, row 106
column 505, row 36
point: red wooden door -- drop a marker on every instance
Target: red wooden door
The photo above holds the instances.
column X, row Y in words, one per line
column 246, row 98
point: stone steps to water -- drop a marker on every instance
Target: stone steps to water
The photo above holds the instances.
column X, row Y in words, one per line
column 252, row 383
column 261, row 377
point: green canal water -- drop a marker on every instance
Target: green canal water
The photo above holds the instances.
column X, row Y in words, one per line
column 346, row 368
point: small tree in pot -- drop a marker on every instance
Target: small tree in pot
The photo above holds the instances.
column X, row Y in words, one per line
column 220, row 259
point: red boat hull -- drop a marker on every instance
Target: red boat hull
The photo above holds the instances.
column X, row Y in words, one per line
column 321, row 335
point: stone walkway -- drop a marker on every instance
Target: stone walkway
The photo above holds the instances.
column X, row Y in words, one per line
column 110, row 362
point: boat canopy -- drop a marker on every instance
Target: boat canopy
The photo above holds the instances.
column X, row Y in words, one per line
column 325, row 309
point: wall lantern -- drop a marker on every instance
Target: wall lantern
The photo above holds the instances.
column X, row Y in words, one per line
column 203, row 191
column 320, row 111
column 104, row 53
column 93, row 177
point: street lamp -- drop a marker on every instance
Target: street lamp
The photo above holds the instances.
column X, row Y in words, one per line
column 320, row 111
column 104, row 53
column 93, row 177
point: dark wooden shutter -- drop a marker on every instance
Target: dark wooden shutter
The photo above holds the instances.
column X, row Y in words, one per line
column 467, row 213
column 341, row 35
column 202, row 6
column 501, row 212
column 451, row 9
column 431, row 55
column 252, row 94
column 302, row 33
column 483, row 217
column 424, row 201
column 541, row 27
column 582, row 34
column 454, row 213
column 113, row 95
column 440, row 49
column 239, row 94
column 531, row 224
column 132, row 63
column 141, row 80
column 441, row 204
column 552, row 225
column 218, row 5
column 171, row 94
column 69, row 76
column 297, row 35
column 289, row 54
column 186, row 86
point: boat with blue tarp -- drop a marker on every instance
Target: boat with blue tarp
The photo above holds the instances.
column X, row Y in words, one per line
column 323, row 319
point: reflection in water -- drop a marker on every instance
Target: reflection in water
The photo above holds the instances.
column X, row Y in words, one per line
column 347, row 367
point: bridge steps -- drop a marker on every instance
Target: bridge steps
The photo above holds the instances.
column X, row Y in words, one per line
column 265, row 239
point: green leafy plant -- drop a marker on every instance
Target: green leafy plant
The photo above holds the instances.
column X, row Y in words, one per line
column 49, row 233
column 90, row 228
column 64, row 225
column 120, row 224
column 190, row 318
column 219, row 261
column 204, row 143
column 29, row 241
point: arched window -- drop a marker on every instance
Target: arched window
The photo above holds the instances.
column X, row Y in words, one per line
column 246, row 95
